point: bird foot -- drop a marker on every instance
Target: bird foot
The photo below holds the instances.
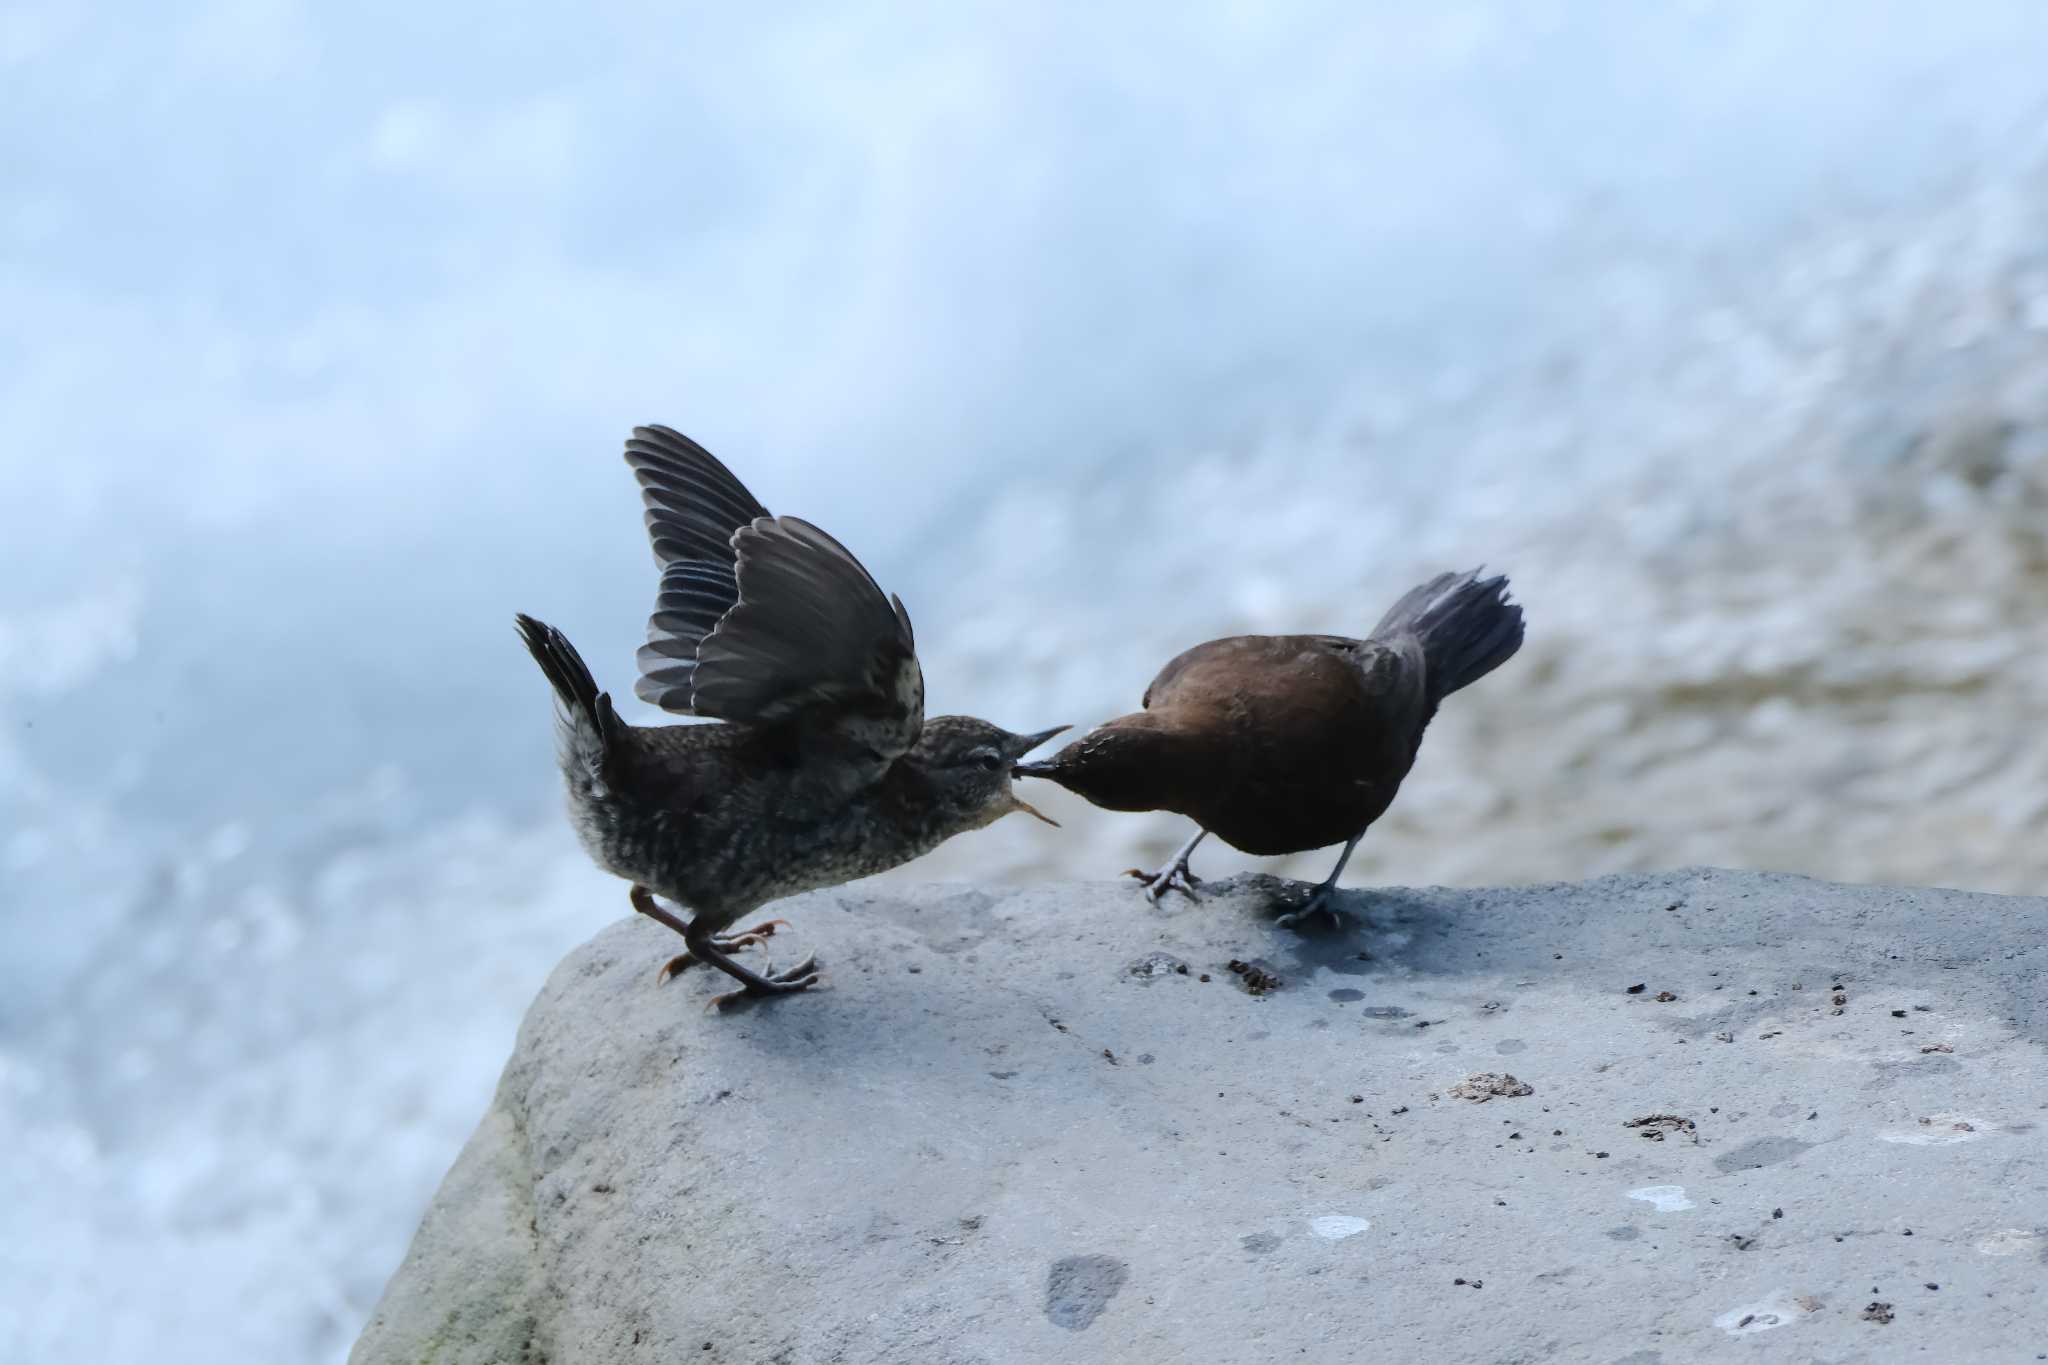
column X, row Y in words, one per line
column 1317, row 904
column 801, row 977
column 1175, row 876
column 725, row 943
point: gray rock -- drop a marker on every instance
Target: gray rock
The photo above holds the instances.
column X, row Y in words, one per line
column 952, row 1152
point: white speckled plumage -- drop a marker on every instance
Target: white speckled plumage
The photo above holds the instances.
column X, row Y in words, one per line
column 821, row 767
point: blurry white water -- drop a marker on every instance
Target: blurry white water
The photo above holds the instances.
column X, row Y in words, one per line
column 1723, row 330
column 1785, row 615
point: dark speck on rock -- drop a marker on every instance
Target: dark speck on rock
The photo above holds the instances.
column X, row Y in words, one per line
column 1153, row 966
column 1758, row 1153
column 1078, row 1288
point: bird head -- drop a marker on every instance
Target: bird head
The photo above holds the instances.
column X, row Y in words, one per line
column 1127, row 764
column 970, row 763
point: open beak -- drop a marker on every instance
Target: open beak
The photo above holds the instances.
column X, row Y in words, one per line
column 1019, row 803
column 1026, row 743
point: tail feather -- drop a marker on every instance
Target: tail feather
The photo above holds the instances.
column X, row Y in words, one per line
column 1466, row 624
column 587, row 720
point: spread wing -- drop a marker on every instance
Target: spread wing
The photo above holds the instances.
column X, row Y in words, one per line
column 767, row 620
column 813, row 636
column 694, row 508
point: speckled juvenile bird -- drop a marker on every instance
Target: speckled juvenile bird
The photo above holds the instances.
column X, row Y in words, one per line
column 1284, row 743
column 824, row 769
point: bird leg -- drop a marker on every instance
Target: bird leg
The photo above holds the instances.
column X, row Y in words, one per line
column 643, row 901
column 1174, row 876
column 1319, row 899
column 704, row 948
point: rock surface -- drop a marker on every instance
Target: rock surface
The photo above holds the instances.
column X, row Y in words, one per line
column 1012, row 1128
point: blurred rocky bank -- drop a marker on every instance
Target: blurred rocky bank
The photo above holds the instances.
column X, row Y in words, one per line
column 1783, row 547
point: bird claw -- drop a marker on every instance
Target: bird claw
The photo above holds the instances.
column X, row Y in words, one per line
column 1173, row 877
column 1318, row 904
column 801, row 977
column 725, row 943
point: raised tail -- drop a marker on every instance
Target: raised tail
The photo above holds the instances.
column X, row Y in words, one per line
column 588, row 723
column 1466, row 625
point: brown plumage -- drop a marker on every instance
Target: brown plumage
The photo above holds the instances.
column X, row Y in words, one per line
column 1283, row 743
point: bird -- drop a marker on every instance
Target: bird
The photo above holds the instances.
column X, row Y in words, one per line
column 820, row 766
column 1284, row 743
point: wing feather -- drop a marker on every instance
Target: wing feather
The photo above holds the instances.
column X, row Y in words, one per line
column 767, row 620
column 814, row 635
column 695, row 505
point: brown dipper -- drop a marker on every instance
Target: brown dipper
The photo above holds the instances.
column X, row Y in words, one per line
column 825, row 768
column 1283, row 743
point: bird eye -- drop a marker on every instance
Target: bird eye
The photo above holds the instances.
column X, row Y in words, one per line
column 989, row 761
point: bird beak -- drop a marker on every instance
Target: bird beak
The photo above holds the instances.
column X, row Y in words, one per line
column 1019, row 803
column 1043, row 768
column 1021, row 745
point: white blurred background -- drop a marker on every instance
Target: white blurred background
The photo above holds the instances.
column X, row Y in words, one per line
column 1723, row 328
